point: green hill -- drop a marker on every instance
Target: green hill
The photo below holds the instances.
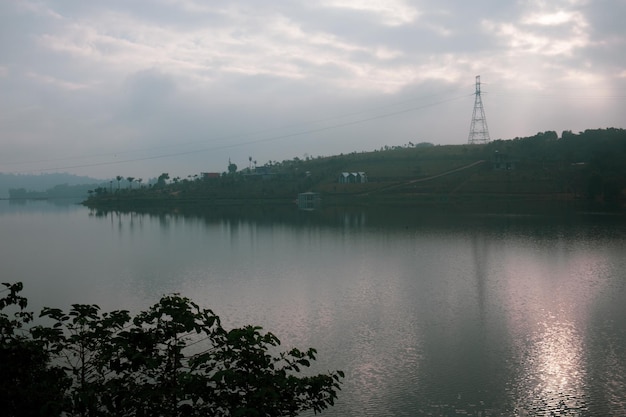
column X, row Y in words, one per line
column 588, row 166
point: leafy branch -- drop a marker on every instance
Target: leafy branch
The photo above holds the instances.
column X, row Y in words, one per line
column 90, row 363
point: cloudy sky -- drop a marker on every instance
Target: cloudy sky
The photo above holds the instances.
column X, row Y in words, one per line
column 140, row 87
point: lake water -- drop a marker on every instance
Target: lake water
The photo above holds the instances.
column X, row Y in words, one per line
column 427, row 314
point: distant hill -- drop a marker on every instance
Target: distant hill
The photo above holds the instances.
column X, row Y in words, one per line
column 41, row 182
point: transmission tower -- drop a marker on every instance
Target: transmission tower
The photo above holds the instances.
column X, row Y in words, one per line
column 479, row 132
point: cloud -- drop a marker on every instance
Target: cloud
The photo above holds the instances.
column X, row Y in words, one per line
column 552, row 33
column 149, row 78
column 49, row 80
column 37, row 8
column 557, row 18
column 387, row 12
column 253, row 44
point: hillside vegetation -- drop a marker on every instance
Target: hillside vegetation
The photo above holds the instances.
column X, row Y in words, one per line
column 586, row 166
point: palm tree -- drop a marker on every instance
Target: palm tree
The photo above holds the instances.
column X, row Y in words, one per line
column 119, row 178
column 232, row 168
column 130, row 181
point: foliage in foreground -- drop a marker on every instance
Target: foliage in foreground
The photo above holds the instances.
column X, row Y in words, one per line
column 174, row 359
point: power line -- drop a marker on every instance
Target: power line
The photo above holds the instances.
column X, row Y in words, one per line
column 223, row 138
column 262, row 140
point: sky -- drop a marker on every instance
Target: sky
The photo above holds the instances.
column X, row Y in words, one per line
column 141, row 87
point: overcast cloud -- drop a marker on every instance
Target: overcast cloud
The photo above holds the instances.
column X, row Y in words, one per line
column 136, row 88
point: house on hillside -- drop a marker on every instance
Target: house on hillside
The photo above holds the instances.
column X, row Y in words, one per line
column 264, row 172
column 209, row 175
column 502, row 162
column 352, row 178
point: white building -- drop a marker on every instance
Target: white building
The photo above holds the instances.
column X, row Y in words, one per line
column 352, row 178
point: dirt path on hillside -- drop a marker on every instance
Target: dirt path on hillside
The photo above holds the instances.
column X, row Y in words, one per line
column 433, row 177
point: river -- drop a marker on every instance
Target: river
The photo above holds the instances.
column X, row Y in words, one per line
column 427, row 313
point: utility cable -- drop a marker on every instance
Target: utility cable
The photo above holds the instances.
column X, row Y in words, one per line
column 255, row 141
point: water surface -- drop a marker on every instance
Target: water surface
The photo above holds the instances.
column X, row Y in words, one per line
column 428, row 314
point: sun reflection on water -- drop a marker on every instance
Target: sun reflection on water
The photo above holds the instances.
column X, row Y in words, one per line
column 549, row 326
column 554, row 373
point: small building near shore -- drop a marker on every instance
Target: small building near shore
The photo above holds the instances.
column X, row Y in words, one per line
column 309, row 201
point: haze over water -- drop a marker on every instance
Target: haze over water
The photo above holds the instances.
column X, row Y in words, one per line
column 468, row 315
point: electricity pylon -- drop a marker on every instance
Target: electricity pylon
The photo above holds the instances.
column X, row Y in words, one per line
column 479, row 132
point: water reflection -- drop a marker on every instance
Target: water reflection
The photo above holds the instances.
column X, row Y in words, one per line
column 428, row 314
column 552, row 287
column 553, row 375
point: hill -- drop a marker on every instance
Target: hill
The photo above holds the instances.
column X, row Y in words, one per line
column 587, row 166
column 43, row 182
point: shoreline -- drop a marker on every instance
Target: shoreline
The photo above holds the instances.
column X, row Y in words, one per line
column 458, row 203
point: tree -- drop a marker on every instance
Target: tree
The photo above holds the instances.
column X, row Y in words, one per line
column 173, row 359
column 232, row 168
column 29, row 384
column 119, row 178
column 130, row 181
column 162, row 179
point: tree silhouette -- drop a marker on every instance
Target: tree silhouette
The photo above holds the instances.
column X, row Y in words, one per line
column 161, row 181
column 173, row 359
column 232, row 168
